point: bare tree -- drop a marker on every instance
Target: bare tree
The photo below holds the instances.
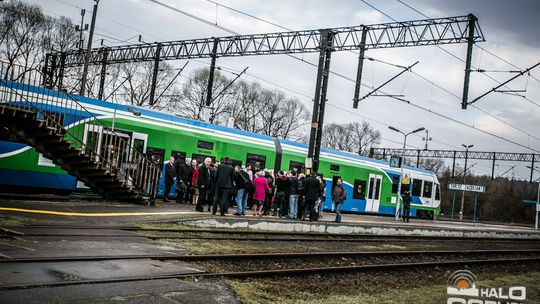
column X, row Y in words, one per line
column 192, row 102
column 21, row 36
column 353, row 137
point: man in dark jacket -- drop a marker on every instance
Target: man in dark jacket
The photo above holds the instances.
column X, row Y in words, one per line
column 203, row 183
column 312, row 190
column 301, row 198
column 186, row 171
column 338, row 197
column 293, row 195
column 244, row 186
column 169, row 175
column 406, row 205
column 224, row 183
column 283, row 184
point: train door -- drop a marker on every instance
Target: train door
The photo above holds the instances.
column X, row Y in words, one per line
column 374, row 193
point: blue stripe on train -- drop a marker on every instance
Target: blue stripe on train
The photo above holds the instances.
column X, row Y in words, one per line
column 37, row 179
column 8, row 146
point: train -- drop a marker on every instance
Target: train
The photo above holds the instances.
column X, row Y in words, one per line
column 371, row 184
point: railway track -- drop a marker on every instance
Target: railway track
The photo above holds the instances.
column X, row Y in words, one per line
column 280, row 255
column 285, row 272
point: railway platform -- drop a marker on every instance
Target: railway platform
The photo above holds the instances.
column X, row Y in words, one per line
column 107, row 213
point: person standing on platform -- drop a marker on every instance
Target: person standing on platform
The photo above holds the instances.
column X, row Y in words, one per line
column 180, row 186
column 185, row 175
column 169, row 175
column 312, row 190
column 194, row 179
column 293, row 195
column 261, row 187
column 203, row 184
column 322, row 197
column 338, row 197
column 244, row 186
column 224, row 184
column 282, row 183
column 301, row 197
column 406, row 205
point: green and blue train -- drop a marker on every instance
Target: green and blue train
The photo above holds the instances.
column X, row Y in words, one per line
column 371, row 184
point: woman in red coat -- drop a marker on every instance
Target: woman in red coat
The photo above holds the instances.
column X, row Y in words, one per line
column 194, row 178
column 261, row 187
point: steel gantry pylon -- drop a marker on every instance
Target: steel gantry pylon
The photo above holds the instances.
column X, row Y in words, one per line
column 436, row 31
column 533, row 158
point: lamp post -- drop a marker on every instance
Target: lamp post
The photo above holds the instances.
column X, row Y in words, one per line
column 537, row 199
column 402, row 162
column 467, row 147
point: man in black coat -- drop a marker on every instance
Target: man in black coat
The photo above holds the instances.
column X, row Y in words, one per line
column 169, row 174
column 406, row 205
column 186, row 171
column 224, row 183
column 203, row 183
column 312, row 189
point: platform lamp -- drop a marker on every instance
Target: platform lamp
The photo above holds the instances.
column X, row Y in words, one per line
column 467, row 147
column 402, row 162
column 537, row 197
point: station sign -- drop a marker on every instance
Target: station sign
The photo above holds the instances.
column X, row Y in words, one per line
column 309, row 162
column 395, row 162
column 465, row 187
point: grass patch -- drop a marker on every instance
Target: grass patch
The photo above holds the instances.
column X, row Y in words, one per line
column 359, row 289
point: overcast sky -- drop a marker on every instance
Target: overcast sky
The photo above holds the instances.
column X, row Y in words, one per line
column 511, row 29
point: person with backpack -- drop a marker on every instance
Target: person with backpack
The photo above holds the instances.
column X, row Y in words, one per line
column 406, row 205
column 312, row 192
column 338, row 197
column 245, row 187
column 282, row 184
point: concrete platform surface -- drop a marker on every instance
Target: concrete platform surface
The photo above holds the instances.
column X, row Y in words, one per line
column 145, row 292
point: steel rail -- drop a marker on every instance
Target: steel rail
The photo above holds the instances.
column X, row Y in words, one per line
column 278, row 255
column 276, row 272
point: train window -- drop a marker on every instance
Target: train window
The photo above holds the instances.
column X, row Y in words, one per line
column 334, row 167
column 417, row 187
column 200, row 158
column 258, row 162
column 235, row 162
column 157, row 155
column 427, row 189
column 298, row 166
column 206, row 145
column 377, row 188
column 437, row 192
column 359, row 189
column 395, row 183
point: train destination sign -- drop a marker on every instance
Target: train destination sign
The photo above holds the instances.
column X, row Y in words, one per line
column 465, row 187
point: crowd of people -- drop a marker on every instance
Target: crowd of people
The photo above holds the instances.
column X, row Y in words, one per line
column 217, row 186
